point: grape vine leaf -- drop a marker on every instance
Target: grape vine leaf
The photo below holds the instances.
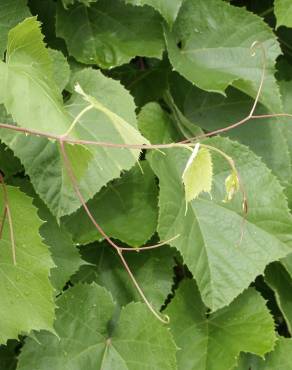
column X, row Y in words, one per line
column 279, row 359
column 212, row 111
column 11, row 13
column 203, row 50
column 168, row 9
column 112, row 32
column 104, row 268
column 26, row 292
column 223, row 261
column 135, row 341
column 41, row 157
column 197, row 174
column 214, row 342
column 280, row 282
column 283, row 13
column 126, row 209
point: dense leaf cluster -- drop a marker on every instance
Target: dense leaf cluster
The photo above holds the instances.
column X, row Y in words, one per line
column 130, row 239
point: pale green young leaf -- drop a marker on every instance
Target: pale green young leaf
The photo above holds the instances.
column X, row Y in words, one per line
column 214, row 342
column 223, row 248
column 197, row 174
column 202, row 48
column 231, row 186
column 126, row 209
column 153, row 270
column 112, row 32
column 168, row 9
column 283, row 12
column 11, row 13
column 25, row 289
column 134, row 341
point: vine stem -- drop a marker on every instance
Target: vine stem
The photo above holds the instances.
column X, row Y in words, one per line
column 7, row 212
column 119, row 250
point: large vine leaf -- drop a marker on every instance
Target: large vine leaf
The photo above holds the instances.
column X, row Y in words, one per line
column 279, row 359
column 212, row 111
column 94, row 166
column 202, row 48
column 11, row 12
column 25, row 289
column 214, row 342
column 283, row 13
column 67, row 3
column 168, row 9
column 105, row 268
column 126, row 209
column 136, row 341
column 109, row 32
column 211, row 231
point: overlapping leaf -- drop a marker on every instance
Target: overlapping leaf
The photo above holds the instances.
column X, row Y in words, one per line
column 168, row 9
column 109, row 32
column 223, row 248
column 283, row 13
column 214, row 342
column 105, row 268
column 25, row 289
column 126, row 209
column 42, row 109
column 11, row 12
column 202, row 48
column 135, row 341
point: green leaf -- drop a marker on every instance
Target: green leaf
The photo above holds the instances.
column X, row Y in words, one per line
column 11, row 13
column 168, row 9
column 31, row 95
column 206, row 50
column 26, row 293
column 41, row 157
column 156, row 125
column 64, row 253
column 223, row 248
column 279, row 359
column 61, row 69
column 153, row 270
column 283, row 13
column 126, row 209
column 136, row 341
column 197, row 174
column 280, row 282
column 112, row 33
column 214, row 342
